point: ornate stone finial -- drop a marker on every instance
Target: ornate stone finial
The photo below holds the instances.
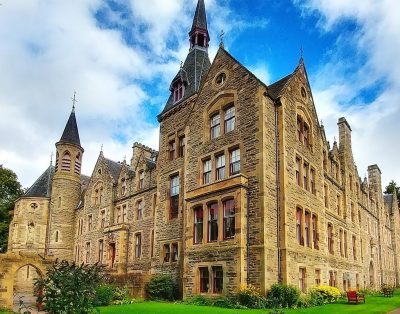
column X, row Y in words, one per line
column 74, row 101
column 181, row 65
column 221, row 38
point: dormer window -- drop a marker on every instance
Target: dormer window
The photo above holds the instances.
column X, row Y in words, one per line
column 179, row 90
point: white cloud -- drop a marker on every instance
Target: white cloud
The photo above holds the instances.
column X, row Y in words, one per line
column 338, row 86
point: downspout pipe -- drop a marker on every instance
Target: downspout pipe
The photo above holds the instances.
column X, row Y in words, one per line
column 248, row 237
column 278, row 104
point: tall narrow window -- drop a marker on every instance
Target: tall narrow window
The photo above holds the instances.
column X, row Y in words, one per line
column 102, row 218
column 352, row 212
column 87, row 258
column 174, row 197
column 235, row 161
column 345, row 243
column 101, row 251
column 198, row 225
column 229, row 119
column 141, row 180
column 139, row 210
column 326, row 196
column 207, row 171
column 306, row 132
column 318, row 277
column 299, row 129
column 78, row 164
column 175, row 253
column 338, row 205
column 220, row 167
column 118, row 216
column 302, row 279
column 167, row 253
column 218, row 279
column 90, row 222
column 66, row 162
column 152, row 244
column 229, row 219
column 204, row 279
column 307, row 220
column 138, row 245
column 179, row 90
column 299, row 226
column 124, row 213
column 215, row 124
column 354, row 248
column 315, row 231
column 171, row 150
column 298, row 166
column 305, row 175
column 213, row 222
column 182, row 144
column 56, row 237
column 312, row 180
column 330, row 238
column 341, row 242
column 123, row 186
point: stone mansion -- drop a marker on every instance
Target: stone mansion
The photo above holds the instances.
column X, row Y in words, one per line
column 244, row 189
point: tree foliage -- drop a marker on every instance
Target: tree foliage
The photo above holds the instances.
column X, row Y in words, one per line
column 69, row 288
column 392, row 188
column 10, row 190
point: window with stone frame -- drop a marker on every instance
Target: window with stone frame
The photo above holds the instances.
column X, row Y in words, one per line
column 215, row 126
column 118, row 215
column 299, row 226
column 175, row 252
column 305, row 175
column 338, row 205
column 326, row 196
column 101, row 251
column 124, row 214
column 66, row 161
column 198, row 225
column 332, row 278
column 220, row 167
column 139, row 207
column 123, row 186
column 345, row 243
column 298, row 171
column 171, row 150
column 229, row 219
column 341, row 242
column 213, row 222
column 352, row 212
column 138, row 245
column 218, row 279
column 87, row 258
column 312, row 181
column 166, row 253
column 318, row 277
column 141, row 180
column 229, row 119
column 330, row 238
column 207, row 171
column 354, row 240
column 204, row 279
column 315, row 234
column 303, row 132
column 174, row 197
column 302, row 279
column 178, row 91
column 234, row 161
column 90, row 222
column 307, row 222
column 182, row 144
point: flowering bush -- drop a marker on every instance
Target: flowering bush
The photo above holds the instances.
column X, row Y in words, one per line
column 325, row 294
column 250, row 297
column 283, row 296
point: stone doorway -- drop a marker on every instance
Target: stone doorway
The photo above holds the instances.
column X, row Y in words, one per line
column 24, row 297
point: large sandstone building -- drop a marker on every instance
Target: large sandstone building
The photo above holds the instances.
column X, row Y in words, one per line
column 245, row 189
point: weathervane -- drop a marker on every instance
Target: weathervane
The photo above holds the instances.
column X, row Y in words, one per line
column 74, row 101
column 301, row 52
column 221, row 38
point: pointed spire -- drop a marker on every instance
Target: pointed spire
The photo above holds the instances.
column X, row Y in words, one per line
column 199, row 36
column 71, row 133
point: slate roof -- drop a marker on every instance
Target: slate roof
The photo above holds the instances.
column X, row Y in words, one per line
column 42, row 186
column 194, row 69
column 276, row 88
column 388, row 199
column 114, row 167
column 71, row 133
column 200, row 17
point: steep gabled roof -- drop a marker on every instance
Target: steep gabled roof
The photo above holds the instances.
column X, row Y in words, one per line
column 71, row 133
column 42, row 186
column 200, row 17
column 388, row 200
column 276, row 89
column 114, row 167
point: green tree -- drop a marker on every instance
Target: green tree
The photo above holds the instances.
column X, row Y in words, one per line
column 391, row 188
column 10, row 190
column 69, row 288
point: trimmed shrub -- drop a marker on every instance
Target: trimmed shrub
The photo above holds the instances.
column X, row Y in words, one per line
column 325, row 294
column 250, row 297
column 283, row 296
column 162, row 287
column 104, row 295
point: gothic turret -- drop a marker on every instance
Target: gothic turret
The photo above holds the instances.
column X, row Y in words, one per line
column 187, row 81
column 66, row 191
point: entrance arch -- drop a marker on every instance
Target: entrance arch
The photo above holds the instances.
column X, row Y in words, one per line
column 23, row 288
column 371, row 275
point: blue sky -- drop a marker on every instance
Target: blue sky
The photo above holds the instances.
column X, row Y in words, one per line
column 120, row 57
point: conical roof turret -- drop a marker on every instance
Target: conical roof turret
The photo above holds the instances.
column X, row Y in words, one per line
column 200, row 17
column 71, row 133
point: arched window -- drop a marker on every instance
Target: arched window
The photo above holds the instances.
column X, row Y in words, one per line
column 66, row 162
column 78, row 164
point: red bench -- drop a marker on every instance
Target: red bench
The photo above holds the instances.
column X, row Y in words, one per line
column 353, row 297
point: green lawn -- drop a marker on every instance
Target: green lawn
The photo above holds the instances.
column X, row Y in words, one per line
column 373, row 305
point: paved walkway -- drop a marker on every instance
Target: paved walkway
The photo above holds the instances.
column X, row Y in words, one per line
column 397, row 311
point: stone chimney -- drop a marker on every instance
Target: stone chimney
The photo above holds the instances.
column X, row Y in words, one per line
column 374, row 178
column 344, row 136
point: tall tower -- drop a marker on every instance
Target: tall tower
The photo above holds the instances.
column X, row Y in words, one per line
column 66, row 192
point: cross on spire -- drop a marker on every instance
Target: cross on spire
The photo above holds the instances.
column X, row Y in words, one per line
column 221, row 38
column 301, row 52
column 74, row 101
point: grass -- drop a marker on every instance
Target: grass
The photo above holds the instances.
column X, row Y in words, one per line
column 373, row 305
